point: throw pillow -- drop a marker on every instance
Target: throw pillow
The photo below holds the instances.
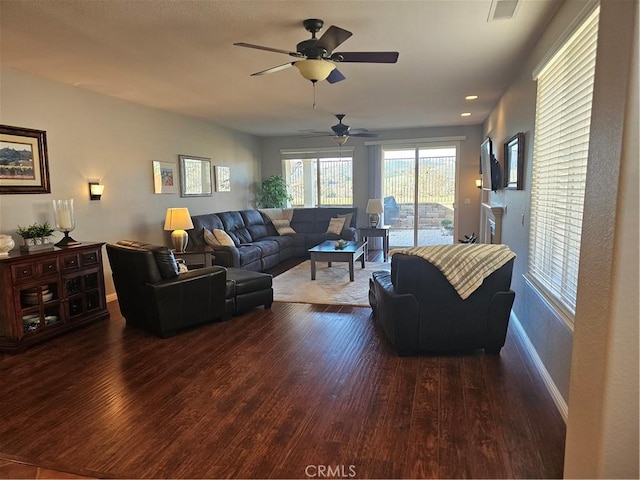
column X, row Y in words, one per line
column 166, row 262
column 335, row 225
column 223, row 238
column 347, row 219
column 209, row 238
column 217, row 238
column 283, row 227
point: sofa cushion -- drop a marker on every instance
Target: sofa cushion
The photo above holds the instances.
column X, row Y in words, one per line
column 249, row 254
column 235, row 227
column 255, row 223
column 335, row 225
column 267, row 247
column 283, row 227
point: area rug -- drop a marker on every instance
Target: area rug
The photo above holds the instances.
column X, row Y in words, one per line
column 331, row 286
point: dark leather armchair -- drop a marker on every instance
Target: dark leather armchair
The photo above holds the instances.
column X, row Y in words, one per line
column 420, row 311
column 153, row 296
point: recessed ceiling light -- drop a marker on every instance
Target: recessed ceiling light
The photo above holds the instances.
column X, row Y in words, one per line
column 471, row 97
column 465, row 114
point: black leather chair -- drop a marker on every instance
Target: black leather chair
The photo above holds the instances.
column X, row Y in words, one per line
column 420, row 312
column 154, row 297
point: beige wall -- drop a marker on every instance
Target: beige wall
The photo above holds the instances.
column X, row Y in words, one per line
column 92, row 136
column 595, row 369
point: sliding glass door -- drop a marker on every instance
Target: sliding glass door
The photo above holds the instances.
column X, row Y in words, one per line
column 418, row 186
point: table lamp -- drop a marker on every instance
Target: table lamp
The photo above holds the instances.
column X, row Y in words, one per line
column 178, row 220
column 374, row 209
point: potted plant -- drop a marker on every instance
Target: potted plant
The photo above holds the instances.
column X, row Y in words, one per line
column 273, row 193
column 43, row 231
column 36, row 236
column 28, row 234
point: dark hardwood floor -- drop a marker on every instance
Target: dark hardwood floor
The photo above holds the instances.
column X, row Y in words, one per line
column 297, row 391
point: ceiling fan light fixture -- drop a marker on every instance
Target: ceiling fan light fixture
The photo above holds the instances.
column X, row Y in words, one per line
column 315, row 70
column 340, row 140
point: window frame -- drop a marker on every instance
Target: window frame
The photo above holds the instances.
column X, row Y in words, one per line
column 554, row 252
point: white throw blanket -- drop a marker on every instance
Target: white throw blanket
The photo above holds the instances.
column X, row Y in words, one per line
column 465, row 265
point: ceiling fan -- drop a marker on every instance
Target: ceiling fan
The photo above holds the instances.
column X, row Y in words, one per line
column 342, row 132
column 316, row 59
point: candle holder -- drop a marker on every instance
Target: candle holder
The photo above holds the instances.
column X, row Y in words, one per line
column 65, row 223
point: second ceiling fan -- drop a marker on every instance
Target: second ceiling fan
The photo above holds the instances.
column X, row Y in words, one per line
column 316, row 59
column 342, row 132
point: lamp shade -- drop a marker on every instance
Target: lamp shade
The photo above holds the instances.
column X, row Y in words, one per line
column 374, row 205
column 315, row 70
column 178, row 219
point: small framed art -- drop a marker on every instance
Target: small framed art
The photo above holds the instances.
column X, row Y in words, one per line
column 514, row 162
column 165, row 177
column 24, row 164
column 223, row 179
column 195, row 176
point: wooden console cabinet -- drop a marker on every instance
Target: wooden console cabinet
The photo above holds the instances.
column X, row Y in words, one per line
column 46, row 293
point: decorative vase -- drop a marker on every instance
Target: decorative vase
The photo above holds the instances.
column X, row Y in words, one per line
column 65, row 222
column 6, row 244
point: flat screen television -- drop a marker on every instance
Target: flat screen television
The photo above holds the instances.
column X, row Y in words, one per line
column 489, row 166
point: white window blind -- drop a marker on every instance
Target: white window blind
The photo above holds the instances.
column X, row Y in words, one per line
column 561, row 144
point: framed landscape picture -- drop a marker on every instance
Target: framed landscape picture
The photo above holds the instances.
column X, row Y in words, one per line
column 195, row 176
column 165, row 177
column 24, row 166
column 223, row 179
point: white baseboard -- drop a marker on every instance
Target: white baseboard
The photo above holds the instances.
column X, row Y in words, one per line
column 561, row 405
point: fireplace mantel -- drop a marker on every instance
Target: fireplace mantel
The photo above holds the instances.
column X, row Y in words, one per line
column 491, row 223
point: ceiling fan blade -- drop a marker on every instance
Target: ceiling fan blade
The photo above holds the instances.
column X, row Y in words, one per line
column 357, row 131
column 363, row 134
column 333, row 37
column 273, row 69
column 366, row 57
column 268, row 49
column 335, row 76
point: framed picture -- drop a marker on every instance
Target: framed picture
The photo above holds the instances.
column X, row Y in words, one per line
column 24, row 165
column 486, row 152
column 223, row 179
column 165, row 177
column 195, row 176
column 514, row 162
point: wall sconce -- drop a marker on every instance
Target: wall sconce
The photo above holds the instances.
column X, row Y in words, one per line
column 479, row 182
column 95, row 190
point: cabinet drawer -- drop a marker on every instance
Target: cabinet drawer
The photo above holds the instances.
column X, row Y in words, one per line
column 90, row 258
column 47, row 267
column 70, row 262
column 23, row 272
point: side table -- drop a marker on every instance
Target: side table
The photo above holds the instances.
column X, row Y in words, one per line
column 196, row 257
column 383, row 231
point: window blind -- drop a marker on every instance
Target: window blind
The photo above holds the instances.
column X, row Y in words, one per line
column 561, row 145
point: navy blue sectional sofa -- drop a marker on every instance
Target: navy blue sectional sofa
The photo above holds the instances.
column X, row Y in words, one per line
column 257, row 244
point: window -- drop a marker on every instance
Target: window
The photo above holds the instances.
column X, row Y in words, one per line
column 561, row 144
column 319, row 178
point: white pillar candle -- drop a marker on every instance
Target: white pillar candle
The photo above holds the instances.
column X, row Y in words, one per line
column 65, row 218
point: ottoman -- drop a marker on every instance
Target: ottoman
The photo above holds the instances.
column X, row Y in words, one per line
column 247, row 289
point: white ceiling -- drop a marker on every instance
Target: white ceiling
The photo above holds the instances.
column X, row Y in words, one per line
column 178, row 55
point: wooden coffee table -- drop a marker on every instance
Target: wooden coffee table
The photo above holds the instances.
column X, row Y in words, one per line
column 327, row 252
